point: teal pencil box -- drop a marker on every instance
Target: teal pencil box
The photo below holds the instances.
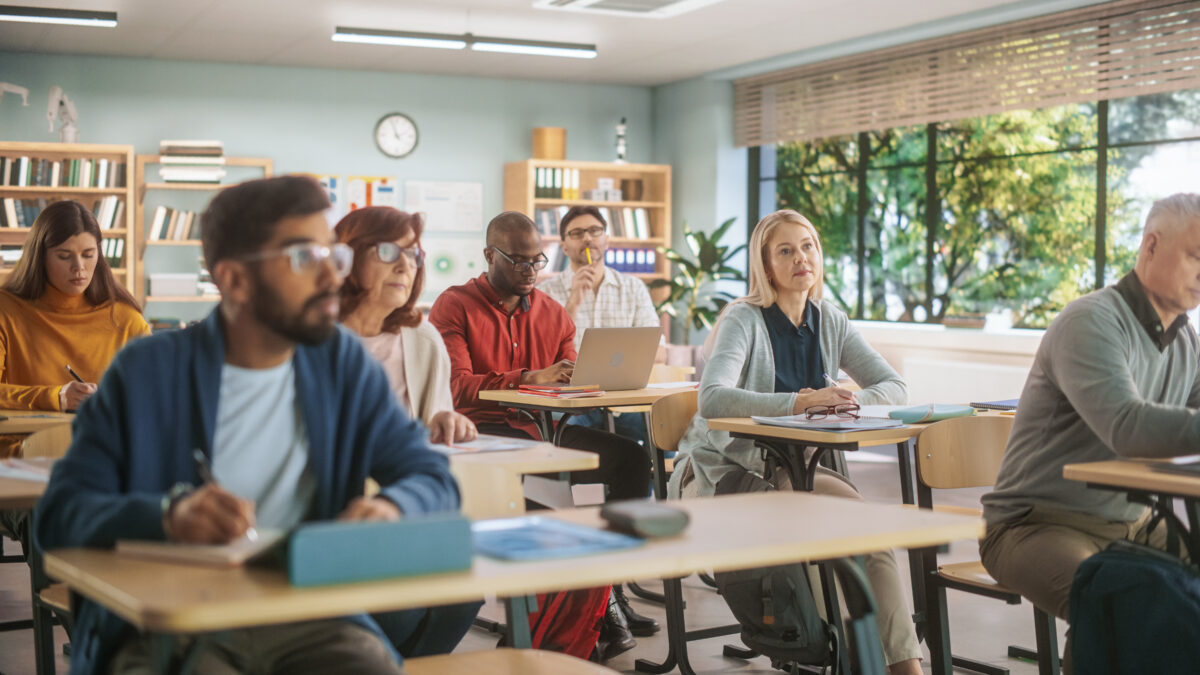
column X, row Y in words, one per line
column 343, row 552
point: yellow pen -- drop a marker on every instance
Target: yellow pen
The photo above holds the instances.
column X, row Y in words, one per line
column 588, row 251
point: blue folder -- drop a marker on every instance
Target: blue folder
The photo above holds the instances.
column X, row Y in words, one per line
column 538, row 538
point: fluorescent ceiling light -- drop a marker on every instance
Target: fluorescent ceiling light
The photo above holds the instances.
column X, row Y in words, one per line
column 398, row 38
column 461, row 41
column 66, row 17
column 534, row 47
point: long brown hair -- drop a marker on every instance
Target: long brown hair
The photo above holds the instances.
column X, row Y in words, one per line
column 55, row 224
column 364, row 228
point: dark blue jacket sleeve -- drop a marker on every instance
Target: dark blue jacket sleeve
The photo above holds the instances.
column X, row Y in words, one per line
column 410, row 474
column 88, row 501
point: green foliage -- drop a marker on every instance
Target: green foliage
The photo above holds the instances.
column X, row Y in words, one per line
column 710, row 262
column 1016, row 209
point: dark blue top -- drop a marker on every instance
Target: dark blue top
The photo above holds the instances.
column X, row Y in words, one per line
column 797, row 350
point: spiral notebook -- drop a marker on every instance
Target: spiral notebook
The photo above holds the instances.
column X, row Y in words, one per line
column 830, row 423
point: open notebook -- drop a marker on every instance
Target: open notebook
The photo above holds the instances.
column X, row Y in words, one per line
column 829, row 423
column 228, row 555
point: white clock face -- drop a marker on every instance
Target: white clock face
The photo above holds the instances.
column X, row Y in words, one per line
column 396, row 135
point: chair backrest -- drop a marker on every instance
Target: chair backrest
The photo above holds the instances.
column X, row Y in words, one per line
column 51, row 442
column 670, row 417
column 962, row 452
column 662, row 372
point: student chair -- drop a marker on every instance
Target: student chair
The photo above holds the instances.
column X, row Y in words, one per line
column 50, row 601
column 966, row 452
column 668, row 420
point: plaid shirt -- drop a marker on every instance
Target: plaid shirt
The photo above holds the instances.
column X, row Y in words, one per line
column 621, row 302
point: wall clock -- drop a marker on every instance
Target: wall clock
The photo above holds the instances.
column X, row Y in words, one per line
column 396, row 135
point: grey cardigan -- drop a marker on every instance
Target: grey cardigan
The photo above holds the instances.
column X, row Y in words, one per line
column 739, row 381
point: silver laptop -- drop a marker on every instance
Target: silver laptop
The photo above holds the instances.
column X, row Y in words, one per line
column 616, row 359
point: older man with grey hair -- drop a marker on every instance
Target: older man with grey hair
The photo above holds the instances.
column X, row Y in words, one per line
column 1117, row 375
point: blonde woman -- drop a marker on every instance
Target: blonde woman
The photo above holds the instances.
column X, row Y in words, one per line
column 769, row 354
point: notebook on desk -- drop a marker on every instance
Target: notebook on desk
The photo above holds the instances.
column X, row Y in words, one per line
column 1007, row 404
column 232, row 554
column 830, row 423
column 538, row 538
column 1188, row 465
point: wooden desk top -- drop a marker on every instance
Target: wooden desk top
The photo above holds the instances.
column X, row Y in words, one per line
column 542, row 458
column 20, row 494
column 609, row 399
column 29, row 421
column 1134, row 474
column 730, row 532
column 745, row 425
column 503, row 661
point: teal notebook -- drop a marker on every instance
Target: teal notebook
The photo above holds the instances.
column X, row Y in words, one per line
column 341, row 552
column 932, row 412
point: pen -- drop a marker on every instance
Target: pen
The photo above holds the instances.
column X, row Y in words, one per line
column 74, row 374
column 588, row 251
column 830, row 380
column 206, row 475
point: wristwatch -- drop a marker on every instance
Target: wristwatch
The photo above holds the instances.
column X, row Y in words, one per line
column 170, row 499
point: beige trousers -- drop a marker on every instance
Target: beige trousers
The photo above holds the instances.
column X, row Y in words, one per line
column 330, row 646
column 897, row 633
column 1038, row 553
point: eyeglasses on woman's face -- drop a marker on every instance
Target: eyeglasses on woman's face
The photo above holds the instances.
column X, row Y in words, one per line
column 537, row 263
column 306, row 258
column 389, row 252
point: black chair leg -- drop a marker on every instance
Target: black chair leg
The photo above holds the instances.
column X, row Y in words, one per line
column 1047, row 643
column 707, row 579
column 978, row 666
column 644, row 594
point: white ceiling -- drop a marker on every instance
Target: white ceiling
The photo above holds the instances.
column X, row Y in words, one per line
column 631, row 50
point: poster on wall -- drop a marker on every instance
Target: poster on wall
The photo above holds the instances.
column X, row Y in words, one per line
column 451, row 261
column 335, row 189
column 449, row 206
column 371, row 191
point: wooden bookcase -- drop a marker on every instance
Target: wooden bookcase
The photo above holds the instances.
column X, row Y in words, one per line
column 520, row 190
column 120, row 158
column 141, row 224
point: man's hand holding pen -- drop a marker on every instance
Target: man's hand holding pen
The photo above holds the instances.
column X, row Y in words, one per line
column 210, row 515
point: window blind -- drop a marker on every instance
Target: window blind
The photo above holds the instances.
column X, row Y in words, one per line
column 1117, row 49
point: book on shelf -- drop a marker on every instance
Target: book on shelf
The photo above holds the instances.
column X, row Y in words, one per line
column 551, row 183
column 113, row 250
column 43, row 172
column 191, row 174
column 203, row 148
column 192, row 160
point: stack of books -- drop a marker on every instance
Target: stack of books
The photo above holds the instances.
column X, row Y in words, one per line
column 562, row 390
column 191, row 161
column 171, row 224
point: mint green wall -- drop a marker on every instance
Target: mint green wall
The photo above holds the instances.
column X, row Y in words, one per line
column 321, row 120
column 693, row 124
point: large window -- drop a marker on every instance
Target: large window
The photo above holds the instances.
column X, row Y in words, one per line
column 1016, row 213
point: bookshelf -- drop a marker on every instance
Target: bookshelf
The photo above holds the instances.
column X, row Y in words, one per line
column 240, row 168
column 521, row 194
column 108, row 179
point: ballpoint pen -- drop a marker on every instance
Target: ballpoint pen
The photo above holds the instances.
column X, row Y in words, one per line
column 829, row 380
column 74, row 374
column 206, row 475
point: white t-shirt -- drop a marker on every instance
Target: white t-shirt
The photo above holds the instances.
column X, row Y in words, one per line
column 260, row 444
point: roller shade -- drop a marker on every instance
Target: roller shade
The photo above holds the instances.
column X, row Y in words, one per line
column 1113, row 50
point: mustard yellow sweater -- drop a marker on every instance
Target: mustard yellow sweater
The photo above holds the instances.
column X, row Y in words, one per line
column 38, row 339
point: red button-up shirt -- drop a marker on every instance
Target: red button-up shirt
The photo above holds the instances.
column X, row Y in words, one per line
column 490, row 348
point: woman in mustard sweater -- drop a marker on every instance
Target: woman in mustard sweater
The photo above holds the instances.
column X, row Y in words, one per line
column 61, row 306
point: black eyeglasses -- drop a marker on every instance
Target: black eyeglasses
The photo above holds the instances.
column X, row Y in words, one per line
column 820, row 412
column 389, row 252
column 594, row 232
column 537, row 263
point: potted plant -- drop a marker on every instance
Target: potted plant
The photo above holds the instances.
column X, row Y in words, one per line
column 709, row 262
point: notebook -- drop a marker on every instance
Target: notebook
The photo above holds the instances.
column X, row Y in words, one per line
column 1188, row 465
column 484, row 443
column 830, row 423
column 211, row 555
column 1007, row 404
column 539, row 538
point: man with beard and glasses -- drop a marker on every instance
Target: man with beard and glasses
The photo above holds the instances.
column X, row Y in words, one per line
column 292, row 414
column 501, row 333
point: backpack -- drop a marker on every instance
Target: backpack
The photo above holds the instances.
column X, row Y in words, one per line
column 1136, row 609
column 568, row 621
column 775, row 605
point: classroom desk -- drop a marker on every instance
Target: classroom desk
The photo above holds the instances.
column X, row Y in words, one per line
column 24, row 422
column 542, row 408
column 19, row 494
column 1143, row 483
column 490, row 482
column 731, row 532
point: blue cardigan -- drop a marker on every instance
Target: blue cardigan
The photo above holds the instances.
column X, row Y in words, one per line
column 133, row 440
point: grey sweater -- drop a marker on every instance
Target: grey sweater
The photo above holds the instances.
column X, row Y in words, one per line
column 739, row 381
column 1099, row 389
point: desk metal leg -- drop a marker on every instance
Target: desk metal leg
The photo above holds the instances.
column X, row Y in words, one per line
column 559, row 428
column 516, row 613
column 916, row 561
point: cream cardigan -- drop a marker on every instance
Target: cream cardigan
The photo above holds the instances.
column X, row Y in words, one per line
column 426, row 371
